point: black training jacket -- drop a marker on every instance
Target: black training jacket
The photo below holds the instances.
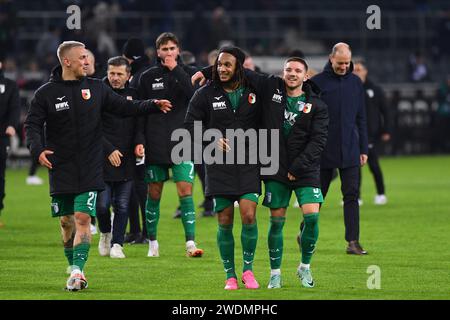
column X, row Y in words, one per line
column 211, row 105
column 299, row 152
column 118, row 133
column 72, row 112
column 379, row 119
column 154, row 131
column 9, row 104
column 307, row 140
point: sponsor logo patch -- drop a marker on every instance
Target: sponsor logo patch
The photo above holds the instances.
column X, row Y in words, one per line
column 219, row 105
column 157, row 86
column 277, row 97
column 62, row 106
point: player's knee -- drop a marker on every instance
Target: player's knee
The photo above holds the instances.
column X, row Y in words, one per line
column 67, row 223
column 248, row 217
column 82, row 219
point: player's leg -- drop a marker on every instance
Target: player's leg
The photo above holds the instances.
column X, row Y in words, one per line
column 310, row 200
column 374, row 166
column 225, row 240
column 183, row 175
column 249, row 237
column 155, row 176
column 67, row 224
column 62, row 208
column 84, row 209
column 276, row 198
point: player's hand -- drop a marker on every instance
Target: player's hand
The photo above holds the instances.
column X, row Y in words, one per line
column 198, row 76
column 385, row 137
column 43, row 159
column 163, row 105
column 363, row 159
column 114, row 158
column 10, row 131
column 291, row 177
column 223, row 144
column 169, row 62
column 139, row 150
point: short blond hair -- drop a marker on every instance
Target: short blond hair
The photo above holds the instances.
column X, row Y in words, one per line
column 64, row 47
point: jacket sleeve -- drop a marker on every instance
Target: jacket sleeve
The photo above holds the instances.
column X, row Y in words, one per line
column 115, row 103
column 108, row 147
column 313, row 141
column 34, row 124
column 13, row 105
column 361, row 122
column 184, row 80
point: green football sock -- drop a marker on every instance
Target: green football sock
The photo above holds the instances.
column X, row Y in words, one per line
column 275, row 241
column 68, row 252
column 249, row 237
column 152, row 217
column 225, row 241
column 188, row 216
column 309, row 236
column 80, row 255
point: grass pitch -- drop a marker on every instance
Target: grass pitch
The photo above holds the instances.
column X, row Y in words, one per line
column 407, row 239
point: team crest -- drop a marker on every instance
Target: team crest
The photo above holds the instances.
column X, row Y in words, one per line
column 307, row 108
column 251, row 98
column 86, row 94
column 2, row 88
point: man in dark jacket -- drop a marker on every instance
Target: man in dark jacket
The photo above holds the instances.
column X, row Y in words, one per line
column 134, row 51
column 118, row 145
column 9, row 119
column 172, row 80
column 71, row 105
column 346, row 147
column 378, row 126
column 230, row 102
column 292, row 106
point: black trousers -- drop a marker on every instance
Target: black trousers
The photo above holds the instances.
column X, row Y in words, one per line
column 374, row 166
column 349, row 188
column 138, row 199
column 208, row 204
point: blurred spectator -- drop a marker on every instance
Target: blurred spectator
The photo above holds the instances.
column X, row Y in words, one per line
column 220, row 28
column 212, row 56
column 418, row 69
column 48, row 43
column 188, row 58
column 32, row 77
column 133, row 50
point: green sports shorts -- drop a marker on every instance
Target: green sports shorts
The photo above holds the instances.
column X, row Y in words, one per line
column 66, row 204
column 222, row 202
column 277, row 195
column 160, row 172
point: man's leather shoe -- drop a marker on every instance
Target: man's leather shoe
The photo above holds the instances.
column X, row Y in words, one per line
column 355, row 248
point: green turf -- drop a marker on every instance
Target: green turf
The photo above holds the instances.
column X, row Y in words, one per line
column 408, row 239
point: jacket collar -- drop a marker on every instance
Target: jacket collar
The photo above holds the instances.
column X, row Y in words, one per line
column 56, row 76
column 329, row 69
